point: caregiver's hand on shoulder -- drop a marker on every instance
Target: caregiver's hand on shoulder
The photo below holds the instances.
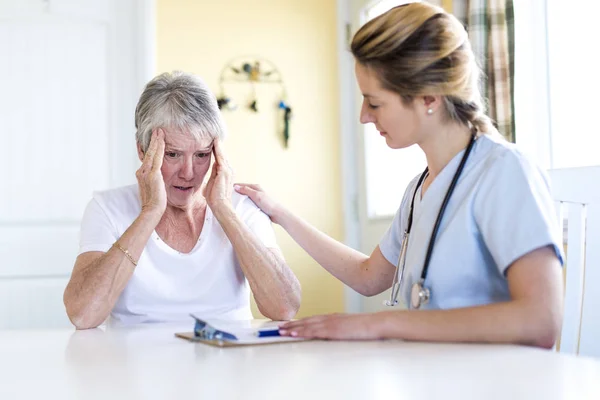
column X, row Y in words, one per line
column 261, row 199
column 153, row 193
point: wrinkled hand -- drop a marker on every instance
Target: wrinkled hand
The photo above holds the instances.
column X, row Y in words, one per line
column 219, row 187
column 150, row 180
column 261, row 199
column 333, row 326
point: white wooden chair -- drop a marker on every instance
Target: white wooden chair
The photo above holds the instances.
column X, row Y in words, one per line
column 576, row 192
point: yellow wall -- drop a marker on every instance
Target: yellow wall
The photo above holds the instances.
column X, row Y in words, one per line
column 299, row 37
column 447, row 4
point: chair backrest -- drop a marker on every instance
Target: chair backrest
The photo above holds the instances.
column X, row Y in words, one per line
column 576, row 192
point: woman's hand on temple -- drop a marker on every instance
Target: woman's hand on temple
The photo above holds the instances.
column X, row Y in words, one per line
column 153, row 193
column 220, row 184
column 261, row 199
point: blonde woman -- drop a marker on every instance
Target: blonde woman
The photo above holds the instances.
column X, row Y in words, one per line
column 474, row 249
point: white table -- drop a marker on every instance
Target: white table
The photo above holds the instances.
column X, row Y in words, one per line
column 150, row 363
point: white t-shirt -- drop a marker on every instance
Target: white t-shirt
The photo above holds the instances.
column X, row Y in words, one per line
column 167, row 285
column 500, row 210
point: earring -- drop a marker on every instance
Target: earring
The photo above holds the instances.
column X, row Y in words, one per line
column 429, row 111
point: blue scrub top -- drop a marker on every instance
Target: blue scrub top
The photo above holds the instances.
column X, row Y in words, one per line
column 501, row 209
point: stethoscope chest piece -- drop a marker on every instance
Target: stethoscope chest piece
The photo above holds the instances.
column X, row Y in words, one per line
column 419, row 295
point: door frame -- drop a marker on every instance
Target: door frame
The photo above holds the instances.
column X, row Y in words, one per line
column 143, row 13
column 348, row 140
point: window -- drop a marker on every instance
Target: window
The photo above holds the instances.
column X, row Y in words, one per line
column 556, row 82
column 573, row 83
column 387, row 171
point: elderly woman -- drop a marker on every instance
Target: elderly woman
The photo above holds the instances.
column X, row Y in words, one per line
column 170, row 246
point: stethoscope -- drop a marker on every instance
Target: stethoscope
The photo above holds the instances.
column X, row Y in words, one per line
column 419, row 294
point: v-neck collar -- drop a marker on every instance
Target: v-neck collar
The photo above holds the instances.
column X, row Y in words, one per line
column 441, row 182
column 450, row 168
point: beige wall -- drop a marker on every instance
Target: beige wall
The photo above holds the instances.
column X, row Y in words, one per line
column 298, row 36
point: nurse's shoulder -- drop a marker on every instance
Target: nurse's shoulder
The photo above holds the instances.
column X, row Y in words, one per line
column 503, row 162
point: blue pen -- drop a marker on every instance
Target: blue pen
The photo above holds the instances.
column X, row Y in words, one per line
column 267, row 333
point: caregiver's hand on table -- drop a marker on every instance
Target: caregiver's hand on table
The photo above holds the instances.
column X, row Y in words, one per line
column 333, row 326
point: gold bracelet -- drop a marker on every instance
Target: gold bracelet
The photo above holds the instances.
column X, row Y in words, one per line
column 118, row 246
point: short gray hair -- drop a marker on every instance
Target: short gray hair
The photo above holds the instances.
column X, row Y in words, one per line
column 180, row 101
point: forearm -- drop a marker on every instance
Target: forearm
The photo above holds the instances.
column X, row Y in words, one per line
column 95, row 288
column 507, row 322
column 274, row 286
column 343, row 262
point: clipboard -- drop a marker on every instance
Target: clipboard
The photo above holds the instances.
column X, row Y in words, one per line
column 235, row 333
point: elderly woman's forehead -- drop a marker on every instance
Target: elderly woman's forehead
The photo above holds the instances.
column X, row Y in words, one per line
column 182, row 137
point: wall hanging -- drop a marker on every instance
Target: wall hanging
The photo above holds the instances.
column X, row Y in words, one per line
column 255, row 70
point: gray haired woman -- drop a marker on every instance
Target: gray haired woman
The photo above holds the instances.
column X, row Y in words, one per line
column 170, row 245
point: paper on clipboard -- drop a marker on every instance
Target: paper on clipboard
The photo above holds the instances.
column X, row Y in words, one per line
column 235, row 333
